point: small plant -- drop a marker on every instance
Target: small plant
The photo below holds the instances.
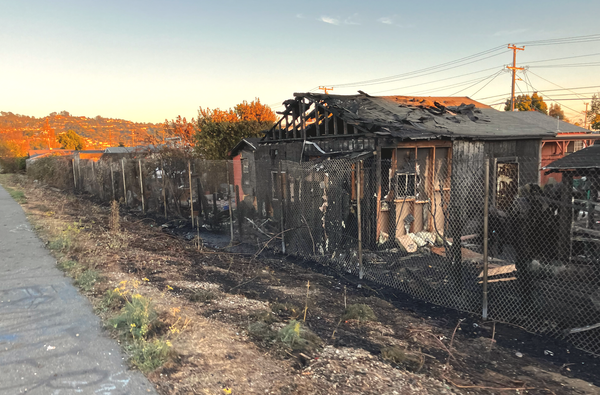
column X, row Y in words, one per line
column 399, row 357
column 65, row 240
column 68, row 266
column 136, row 317
column 87, row 279
column 19, row 196
column 148, row 355
column 112, row 299
column 360, row 312
column 261, row 331
column 286, row 310
column 297, row 337
column 203, row 295
column 263, row 316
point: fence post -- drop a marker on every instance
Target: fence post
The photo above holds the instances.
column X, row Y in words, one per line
column 282, row 220
column 239, row 211
column 112, row 179
column 486, row 207
column 124, row 185
column 164, row 188
column 229, row 204
column 359, row 219
column 74, row 175
column 142, row 185
column 191, row 193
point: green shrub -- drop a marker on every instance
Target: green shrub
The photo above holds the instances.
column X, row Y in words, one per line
column 402, row 358
column 360, row 312
column 136, row 318
column 148, row 355
column 68, row 266
column 297, row 337
column 261, row 331
column 112, row 299
column 203, row 295
column 87, row 279
column 18, row 195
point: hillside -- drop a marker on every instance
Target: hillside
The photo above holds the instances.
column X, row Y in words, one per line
column 37, row 133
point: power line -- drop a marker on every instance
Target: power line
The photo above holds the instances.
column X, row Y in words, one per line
column 591, row 64
column 493, row 77
column 567, row 57
column 563, row 40
column 443, row 79
column 427, row 70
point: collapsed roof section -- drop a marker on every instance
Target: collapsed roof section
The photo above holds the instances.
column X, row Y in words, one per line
column 314, row 116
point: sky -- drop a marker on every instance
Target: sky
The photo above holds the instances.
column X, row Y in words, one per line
column 147, row 61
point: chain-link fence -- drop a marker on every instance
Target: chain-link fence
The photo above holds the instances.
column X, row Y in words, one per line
column 477, row 236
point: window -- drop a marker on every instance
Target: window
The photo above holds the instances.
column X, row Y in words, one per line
column 405, row 184
column 245, row 166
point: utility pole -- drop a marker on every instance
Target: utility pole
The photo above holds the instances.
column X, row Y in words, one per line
column 514, row 69
column 325, row 89
column 585, row 116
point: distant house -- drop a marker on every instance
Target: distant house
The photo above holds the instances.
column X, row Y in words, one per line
column 581, row 170
column 569, row 138
column 244, row 172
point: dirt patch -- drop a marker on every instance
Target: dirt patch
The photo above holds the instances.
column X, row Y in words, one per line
column 235, row 306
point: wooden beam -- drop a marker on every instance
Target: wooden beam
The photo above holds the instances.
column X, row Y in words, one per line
column 335, row 124
column 345, row 127
column 317, row 119
column 303, row 118
column 294, row 128
column 326, row 120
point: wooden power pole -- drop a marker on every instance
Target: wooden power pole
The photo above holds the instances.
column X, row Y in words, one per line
column 514, row 69
column 585, row 116
column 325, row 89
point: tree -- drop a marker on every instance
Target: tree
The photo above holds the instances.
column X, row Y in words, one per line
column 218, row 131
column 534, row 102
column 71, row 140
column 556, row 111
column 181, row 128
column 593, row 115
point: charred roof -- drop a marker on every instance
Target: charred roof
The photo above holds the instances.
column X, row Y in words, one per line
column 422, row 118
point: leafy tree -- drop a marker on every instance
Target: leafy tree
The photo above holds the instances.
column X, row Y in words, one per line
column 71, row 140
column 556, row 111
column 593, row 114
column 534, row 102
column 180, row 127
column 218, row 131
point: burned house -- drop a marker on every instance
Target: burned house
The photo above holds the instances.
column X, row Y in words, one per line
column 421, row 159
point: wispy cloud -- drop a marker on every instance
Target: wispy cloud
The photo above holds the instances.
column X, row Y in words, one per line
column 299, row 16
column 330, row 20
column 352, row 20
column 514, row 32
column 387, row 20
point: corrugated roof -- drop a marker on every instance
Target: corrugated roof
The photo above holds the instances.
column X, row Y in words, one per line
column 429, row 118
column 587, row 158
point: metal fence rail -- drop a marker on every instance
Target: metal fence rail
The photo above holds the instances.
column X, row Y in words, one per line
column 474, row 236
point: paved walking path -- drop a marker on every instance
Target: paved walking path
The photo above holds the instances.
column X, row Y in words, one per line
column 51, row 343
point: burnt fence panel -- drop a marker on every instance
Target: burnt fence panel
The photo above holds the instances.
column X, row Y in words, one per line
column 418, row 220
